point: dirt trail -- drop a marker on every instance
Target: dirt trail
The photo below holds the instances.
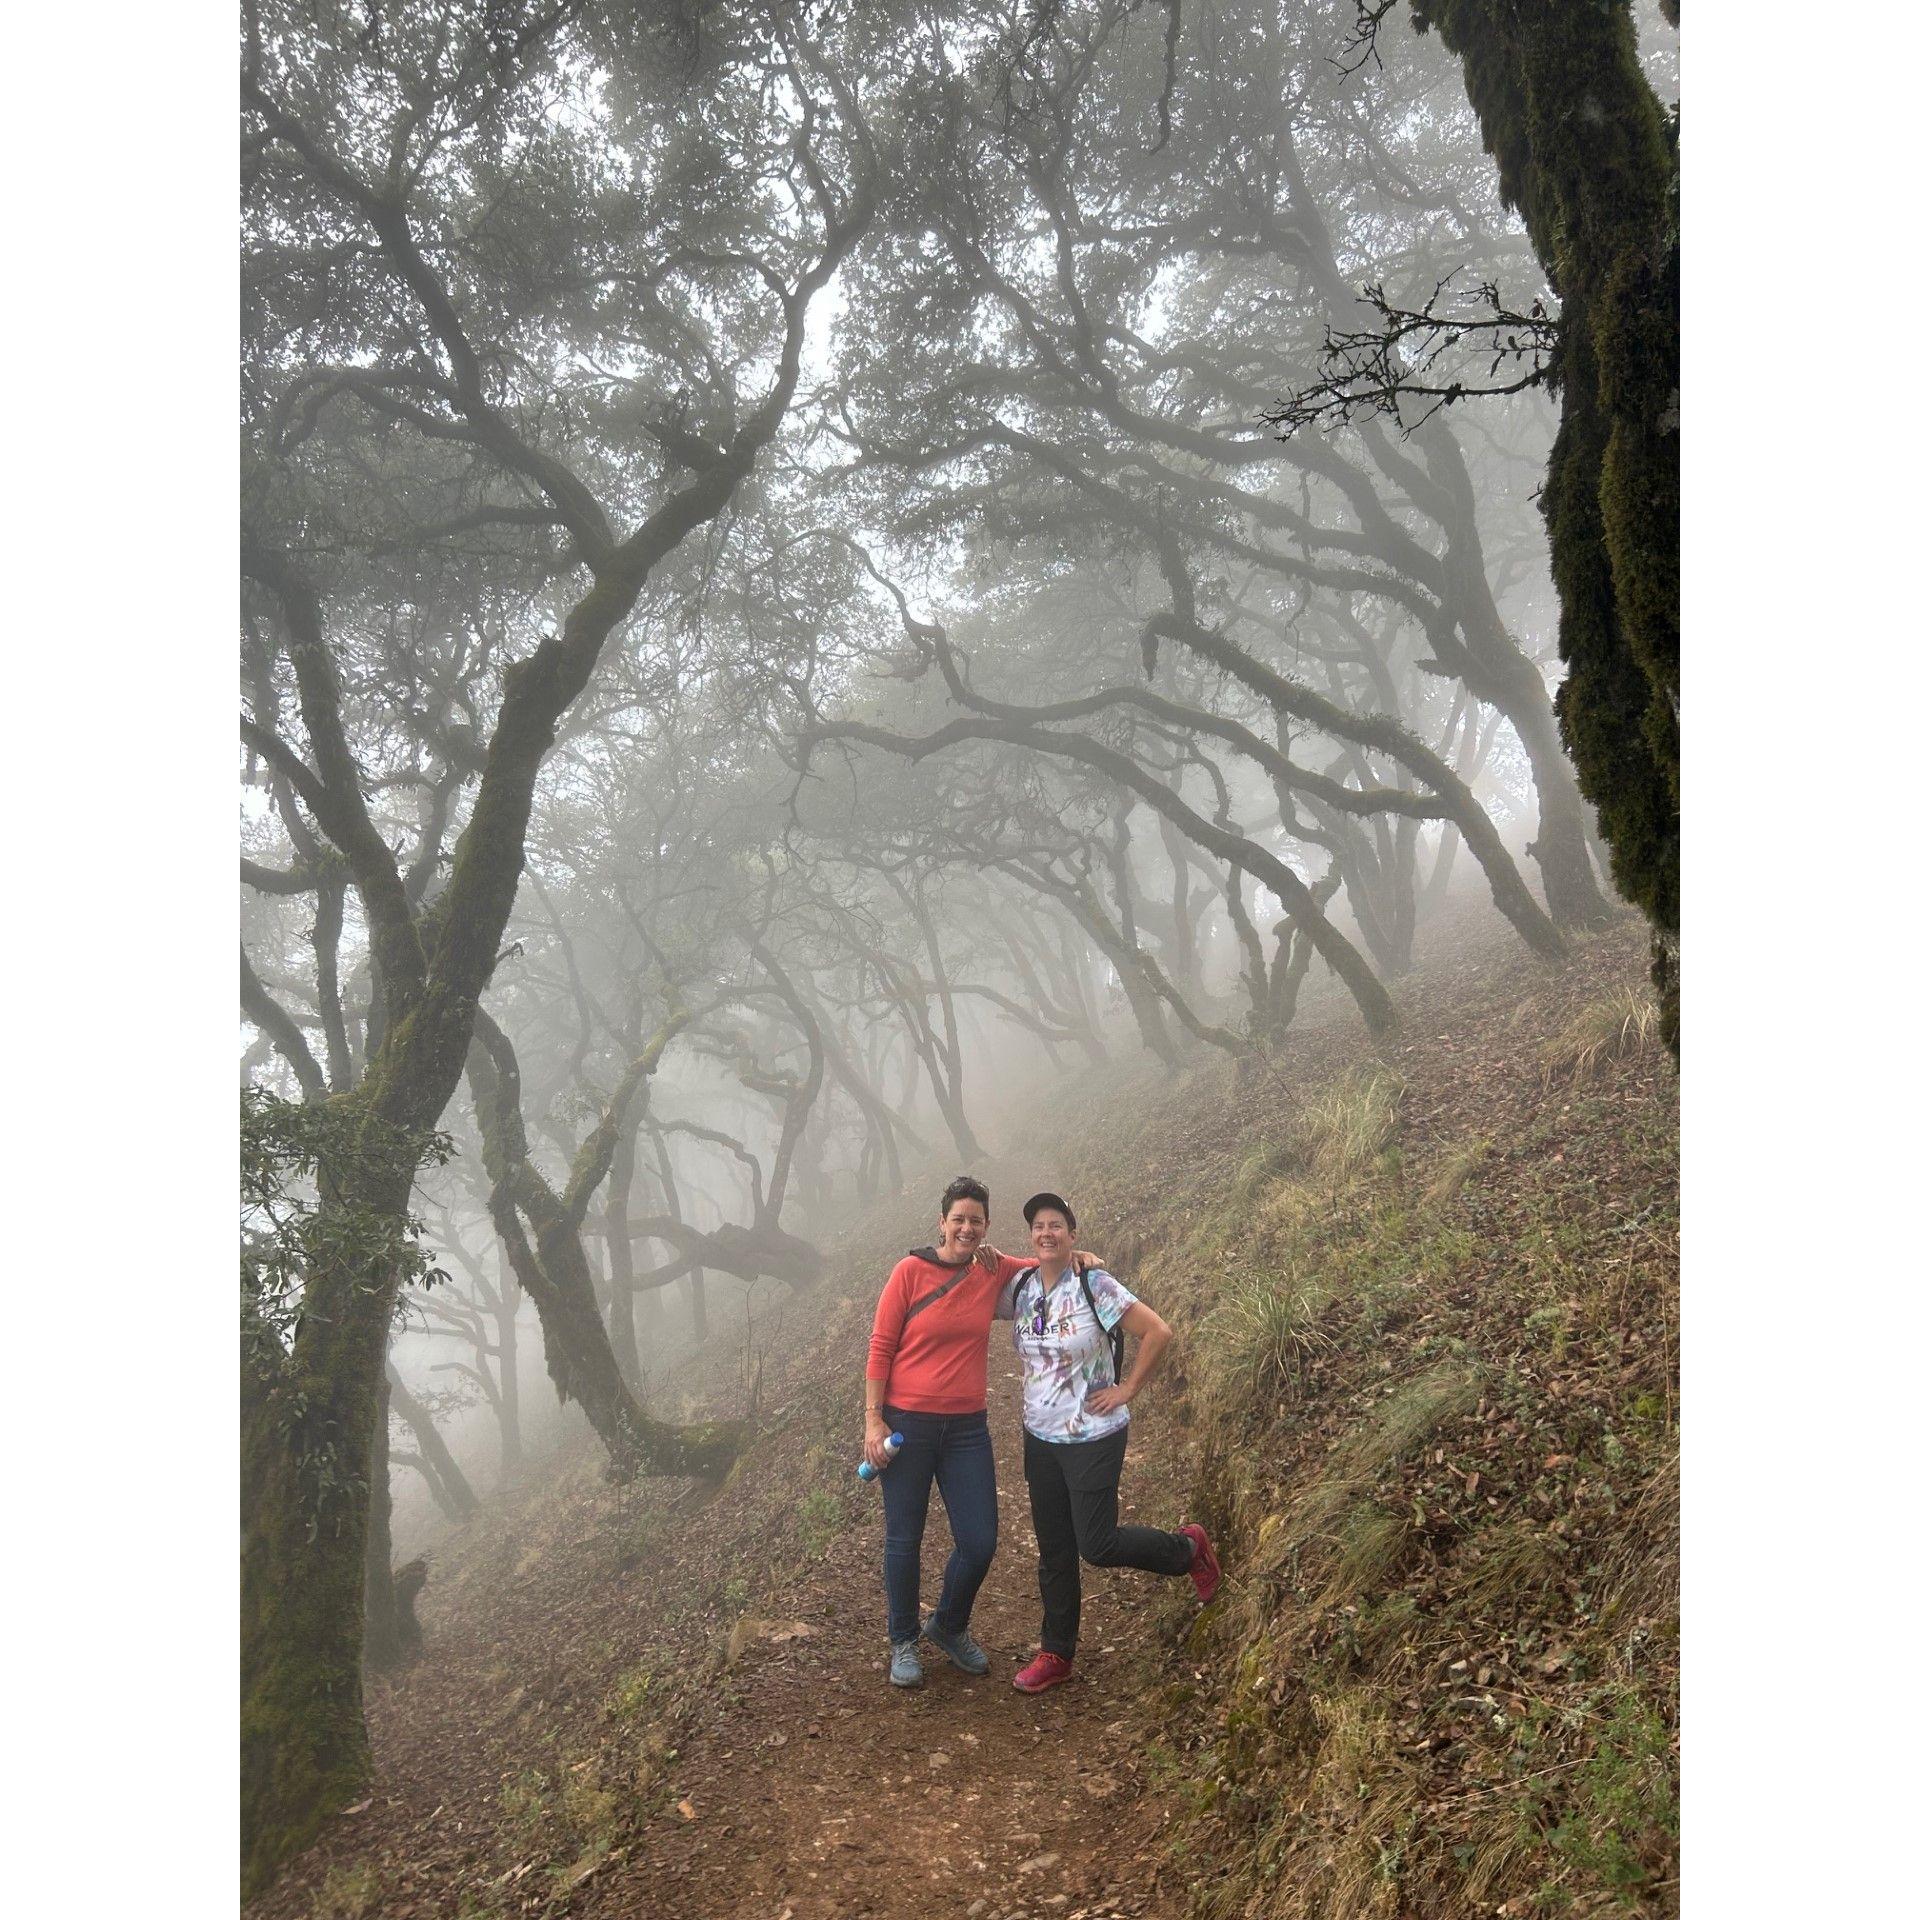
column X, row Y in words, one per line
column 825, row 1793
column 815, row 1788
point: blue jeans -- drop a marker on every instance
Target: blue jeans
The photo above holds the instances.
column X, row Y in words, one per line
column 957, row 1450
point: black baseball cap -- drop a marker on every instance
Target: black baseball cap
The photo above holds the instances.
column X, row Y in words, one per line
column 1054, row 1201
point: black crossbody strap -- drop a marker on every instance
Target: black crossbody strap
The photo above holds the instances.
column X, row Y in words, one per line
column 939, row 1292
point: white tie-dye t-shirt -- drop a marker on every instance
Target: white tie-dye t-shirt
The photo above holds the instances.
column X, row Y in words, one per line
column 1064, row 1350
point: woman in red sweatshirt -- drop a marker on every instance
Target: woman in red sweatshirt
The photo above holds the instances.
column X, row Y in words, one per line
column 927, row 1380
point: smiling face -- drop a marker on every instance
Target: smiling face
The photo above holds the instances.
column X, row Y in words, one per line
column 962, row 1227
column 1052, row 1237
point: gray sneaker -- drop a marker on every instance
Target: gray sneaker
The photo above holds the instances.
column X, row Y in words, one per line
column 905, row 1669
column 961, row 1648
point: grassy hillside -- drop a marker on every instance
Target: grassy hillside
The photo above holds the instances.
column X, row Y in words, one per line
column 1433, row 1384
column 1425, row 1396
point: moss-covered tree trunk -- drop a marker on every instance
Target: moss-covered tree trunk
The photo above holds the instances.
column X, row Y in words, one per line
column 382, row 1644
column 308, row 1427
column 1588, row 157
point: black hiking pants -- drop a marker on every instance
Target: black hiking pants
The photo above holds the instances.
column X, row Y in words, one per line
column 1074, row 1486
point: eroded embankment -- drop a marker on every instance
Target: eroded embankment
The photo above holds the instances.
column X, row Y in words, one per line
column 1433, row 1383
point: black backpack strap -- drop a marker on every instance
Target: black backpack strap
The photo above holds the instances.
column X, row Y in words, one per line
column 1017, row 1279
column 1115, row 1338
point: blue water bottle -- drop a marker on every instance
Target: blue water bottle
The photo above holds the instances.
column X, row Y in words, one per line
column 895, row 1441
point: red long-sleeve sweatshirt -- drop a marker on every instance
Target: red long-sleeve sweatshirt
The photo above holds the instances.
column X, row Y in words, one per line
column 935, row 1362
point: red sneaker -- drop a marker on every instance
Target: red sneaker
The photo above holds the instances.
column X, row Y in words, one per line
column 1044, row 1670
column 1205, row 1571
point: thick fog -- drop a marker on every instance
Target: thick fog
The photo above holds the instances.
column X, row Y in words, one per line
column 809, row 571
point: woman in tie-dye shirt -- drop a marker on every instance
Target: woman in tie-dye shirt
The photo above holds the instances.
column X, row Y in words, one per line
column 1074, row 1410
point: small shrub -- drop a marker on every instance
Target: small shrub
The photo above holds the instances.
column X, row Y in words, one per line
column 821, row 1515
column 1621, row 1820
column 630, row 1692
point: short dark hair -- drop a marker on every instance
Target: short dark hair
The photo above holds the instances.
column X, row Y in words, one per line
column 964, row 1187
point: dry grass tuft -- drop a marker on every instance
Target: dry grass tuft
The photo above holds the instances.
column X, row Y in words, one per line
column 1405, row 1419
column 1271, row 1160
column 1372, row 1800
column 1260, row 1343
column 1506, row 1849
column 1285, row 1211
column 1516, row 1561
column 1345, row 1130
column 1354, row 1738
column 1642, row 1573
column 1358, row 1544
column 1371, row 1543
column 1456, row 1170
column 1616, row 1025
column 591, row 1809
